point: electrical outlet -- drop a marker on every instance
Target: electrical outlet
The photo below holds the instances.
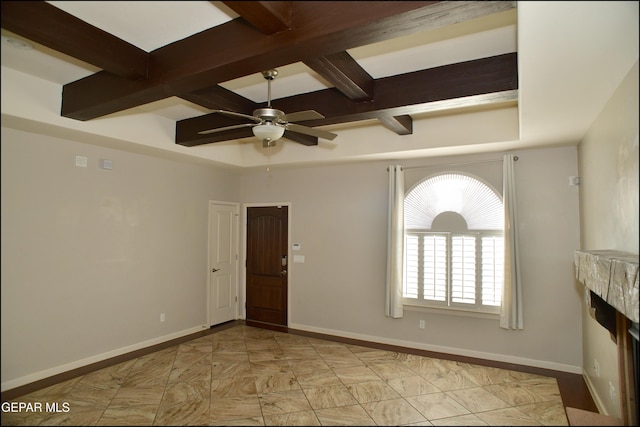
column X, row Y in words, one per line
column 162, row 318
column 596, row 367
column 421, row 324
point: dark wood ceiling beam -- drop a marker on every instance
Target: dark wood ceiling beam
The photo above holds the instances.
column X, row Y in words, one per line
column 218, row 98
column 399, row 95
column 320, row 29
column 402, row 125
column 342, row 71
column 49, row 26
column 268, row 17
column 300, row 138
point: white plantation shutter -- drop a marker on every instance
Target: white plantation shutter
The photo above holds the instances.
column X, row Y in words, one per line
column 463, row 269
column 492, row 270
column 435, row 268
column 411, row 260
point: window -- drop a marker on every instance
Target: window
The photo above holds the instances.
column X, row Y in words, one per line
column 454, row 246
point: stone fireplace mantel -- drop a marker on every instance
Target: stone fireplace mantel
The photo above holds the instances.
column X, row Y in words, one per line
column 613, row 276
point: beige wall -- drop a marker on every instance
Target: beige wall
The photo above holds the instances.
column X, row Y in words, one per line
column 608, row 163
column 91, row 257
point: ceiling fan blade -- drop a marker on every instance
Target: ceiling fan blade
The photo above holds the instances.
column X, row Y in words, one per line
column 301, row 116
column 310, row 131
column 234, row 114
column 243, row 125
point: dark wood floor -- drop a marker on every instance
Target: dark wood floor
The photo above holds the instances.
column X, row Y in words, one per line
column 573, row 388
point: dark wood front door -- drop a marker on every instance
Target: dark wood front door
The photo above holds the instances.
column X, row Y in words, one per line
column 267, row 264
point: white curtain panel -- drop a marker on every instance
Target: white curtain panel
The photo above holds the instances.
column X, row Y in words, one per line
column 395, row 244
column 511, row 309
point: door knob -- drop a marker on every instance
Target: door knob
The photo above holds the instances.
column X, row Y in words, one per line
column 215, row 269
column 283, row 272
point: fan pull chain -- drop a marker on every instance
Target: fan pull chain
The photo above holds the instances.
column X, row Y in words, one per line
column 269, row 157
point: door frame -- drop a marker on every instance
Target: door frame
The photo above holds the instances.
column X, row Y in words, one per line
column 242, row 296
column 236, row 233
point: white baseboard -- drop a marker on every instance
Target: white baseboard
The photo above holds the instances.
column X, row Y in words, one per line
column 594, row 394
column 27, row 379
column 441, row 349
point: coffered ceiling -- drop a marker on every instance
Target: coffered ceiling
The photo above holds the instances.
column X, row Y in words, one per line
column 370, row 68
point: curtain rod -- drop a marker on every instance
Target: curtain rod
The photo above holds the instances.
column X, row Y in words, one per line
column 515, row 158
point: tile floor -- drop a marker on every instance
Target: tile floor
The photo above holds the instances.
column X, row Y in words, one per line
column 250, row 376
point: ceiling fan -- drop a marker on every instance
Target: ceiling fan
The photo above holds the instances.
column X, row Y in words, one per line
column 269, row 123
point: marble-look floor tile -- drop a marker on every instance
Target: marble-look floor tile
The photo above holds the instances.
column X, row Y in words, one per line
column 547, row 413
column 477, row 399
column 129, row 415
column 372, row 391
column 229, row 369
column 356, row 374
column 307, row 365
column 228, row 346
column 185, row 404
column 507, row 417
column 329, row 397
column 544, row 387
column 135, row 396
column 73, row 418
column 233, row 387
column 319, row 378
column 342, row 361
column 276, row 382
column 393, row 412
column 265, row 355
column 515, row 394
column 391, row 370
column 452, row 380
column 354, row 415
column 253, row 421
column 461, row 420
column 109, row 377
column 270, row 367
column 23, row 418
column 300, row 353
column 284, row 402
column 196, row 367
column 437, row 405
column 486, row 375
column 226, row 409
column 377, row 356
column 304, row 418
column 412, row 386
column 84, row 397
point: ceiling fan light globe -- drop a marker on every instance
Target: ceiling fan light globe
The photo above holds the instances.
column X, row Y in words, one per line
column 268, row 131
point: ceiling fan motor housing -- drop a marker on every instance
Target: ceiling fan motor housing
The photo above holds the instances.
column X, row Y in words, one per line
column 268, row 114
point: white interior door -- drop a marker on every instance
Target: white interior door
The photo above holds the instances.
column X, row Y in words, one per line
column 223, row 262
